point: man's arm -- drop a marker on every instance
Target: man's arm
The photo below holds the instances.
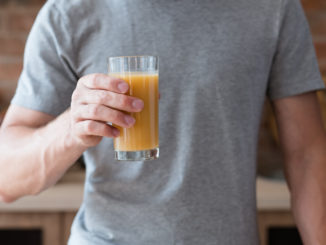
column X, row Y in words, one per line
column 303, row 141
column 36, row 149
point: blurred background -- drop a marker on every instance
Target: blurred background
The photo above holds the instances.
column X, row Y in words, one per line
column 46, row 219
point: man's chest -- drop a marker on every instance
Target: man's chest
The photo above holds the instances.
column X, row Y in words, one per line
column 208, row 49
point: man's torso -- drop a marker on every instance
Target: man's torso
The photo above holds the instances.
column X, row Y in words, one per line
column 215, row 58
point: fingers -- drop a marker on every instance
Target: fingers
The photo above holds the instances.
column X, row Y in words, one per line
column 104, row 114
column 90, row 111
column 105, row 90
column 94, row 128
column 113, row 100
column 104, row 82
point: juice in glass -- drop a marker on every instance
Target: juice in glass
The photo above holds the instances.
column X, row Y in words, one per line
column 141, row 141
column 144, row 134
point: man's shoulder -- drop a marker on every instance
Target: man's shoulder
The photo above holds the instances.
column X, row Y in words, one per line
column 65, row 5
column 74, row 8
column 269, row 5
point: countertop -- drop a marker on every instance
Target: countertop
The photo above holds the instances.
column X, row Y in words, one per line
column 67, row 196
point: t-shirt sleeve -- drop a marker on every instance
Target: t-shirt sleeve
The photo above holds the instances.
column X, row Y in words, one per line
column 48, row 78
column 295, row 68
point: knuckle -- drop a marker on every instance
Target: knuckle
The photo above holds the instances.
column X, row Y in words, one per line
column 82, row 81
column 115, row 116
column 75, row 95
column 102, row 97
column 100, row 129
column 93, row 79
column 109, row 132
column 79, row 135
column 96, row 77
column 74, row 114
column 123, row 101
column 74, row 110
column 111, row 82
column 103, row 129
column 93, row 110
column 89, row 126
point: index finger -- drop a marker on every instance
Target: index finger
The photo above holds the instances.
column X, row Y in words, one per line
column 105, row 82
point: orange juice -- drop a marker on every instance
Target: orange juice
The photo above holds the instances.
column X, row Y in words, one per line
column 144, row 133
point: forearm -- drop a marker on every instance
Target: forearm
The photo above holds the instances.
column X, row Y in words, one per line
column 32, row 159
column 308, row 195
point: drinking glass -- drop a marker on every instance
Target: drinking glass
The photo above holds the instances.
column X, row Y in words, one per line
column 141, row 141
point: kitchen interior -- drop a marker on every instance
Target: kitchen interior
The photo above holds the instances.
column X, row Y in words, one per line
column 46, row 219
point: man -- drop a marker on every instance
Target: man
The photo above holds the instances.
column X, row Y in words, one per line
column 218, row 60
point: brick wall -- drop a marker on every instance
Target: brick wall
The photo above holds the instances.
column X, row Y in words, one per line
column 16, row 19
column 316, row 13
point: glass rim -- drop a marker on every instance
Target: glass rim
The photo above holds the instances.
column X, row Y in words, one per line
column 132, row 56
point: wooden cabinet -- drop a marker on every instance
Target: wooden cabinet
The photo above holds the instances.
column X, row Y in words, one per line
column 54, row 227
column 282, row 223
column 51, row 212
column 67, row 220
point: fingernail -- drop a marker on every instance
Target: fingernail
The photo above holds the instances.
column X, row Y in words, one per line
column 129, row 120
column 123, row 87
column 115, row 132
column 138, row 104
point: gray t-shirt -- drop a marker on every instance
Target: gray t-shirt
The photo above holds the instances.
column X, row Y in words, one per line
column 218, row 60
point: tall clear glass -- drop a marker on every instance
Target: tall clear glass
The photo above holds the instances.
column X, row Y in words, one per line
column 140, row 142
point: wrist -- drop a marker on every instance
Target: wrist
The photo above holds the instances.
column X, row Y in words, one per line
column 71, row 142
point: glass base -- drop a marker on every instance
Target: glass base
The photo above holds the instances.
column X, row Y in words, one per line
column 137, row 155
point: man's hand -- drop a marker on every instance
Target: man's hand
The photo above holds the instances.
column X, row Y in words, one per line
column 97, row 100
column 303, row 140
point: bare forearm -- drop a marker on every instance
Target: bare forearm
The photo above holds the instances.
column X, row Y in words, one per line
column 303, row 140
column 308, row 191
column 32, row 159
